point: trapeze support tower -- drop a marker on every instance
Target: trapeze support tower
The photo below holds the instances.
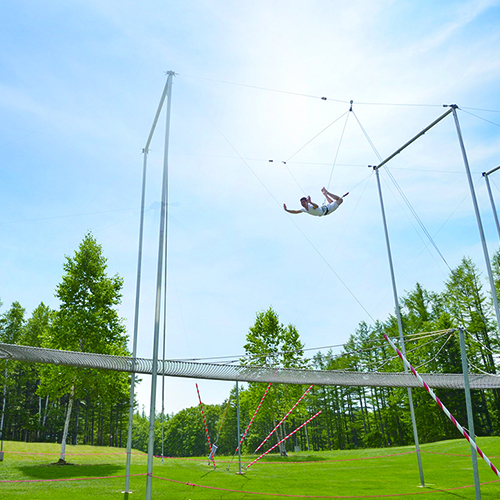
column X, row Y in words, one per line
column 420, row 134
column 400, row 328
column 470, row 414
column 454, row 108
column 487, row 179
column 138, row 289
column 162, row 246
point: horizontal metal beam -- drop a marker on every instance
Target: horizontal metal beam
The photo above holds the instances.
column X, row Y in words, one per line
column 491, row 171
column 426, row 129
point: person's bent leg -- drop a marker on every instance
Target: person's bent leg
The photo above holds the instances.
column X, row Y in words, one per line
column 331, row 197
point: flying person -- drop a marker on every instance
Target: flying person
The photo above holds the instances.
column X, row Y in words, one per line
column 311, row 208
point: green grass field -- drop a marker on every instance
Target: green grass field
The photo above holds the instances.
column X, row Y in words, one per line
column 372, row 473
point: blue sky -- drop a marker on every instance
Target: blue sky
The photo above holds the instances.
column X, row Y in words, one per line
column 80, row 83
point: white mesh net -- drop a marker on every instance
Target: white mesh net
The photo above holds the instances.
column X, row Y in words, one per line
column 187, row 369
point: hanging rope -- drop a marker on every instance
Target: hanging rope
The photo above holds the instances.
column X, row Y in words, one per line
column 338, row 147
column 405, row 199
column 316, row 136
column 279, row 204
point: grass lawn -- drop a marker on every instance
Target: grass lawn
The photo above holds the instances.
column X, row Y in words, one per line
column 371, row 473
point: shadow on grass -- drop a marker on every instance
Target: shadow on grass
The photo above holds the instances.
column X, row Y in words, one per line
column 52, row 471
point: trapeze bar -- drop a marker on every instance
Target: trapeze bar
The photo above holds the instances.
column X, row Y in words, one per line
column 452, row 107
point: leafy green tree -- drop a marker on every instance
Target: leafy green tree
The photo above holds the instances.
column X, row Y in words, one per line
column 87, row 321
column 270, row 343
column 471, row 308
column 11, row 329
column 185, row 434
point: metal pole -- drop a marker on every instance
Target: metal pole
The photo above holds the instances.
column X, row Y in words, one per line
column 3, row 408
column 478, row 217
column 161, row 252
column 470, row 416
column 138, row 294
column 485, row 175
column 238, row 426
column 400, row 328
column 426, row 129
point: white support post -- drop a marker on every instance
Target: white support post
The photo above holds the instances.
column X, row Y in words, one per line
column 495, row 215
column 400, row 328
column 478, row 216
column 162, row 244
column 138, row 294
column 470, row 414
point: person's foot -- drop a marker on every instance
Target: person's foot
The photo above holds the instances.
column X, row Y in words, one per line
column 323, row 190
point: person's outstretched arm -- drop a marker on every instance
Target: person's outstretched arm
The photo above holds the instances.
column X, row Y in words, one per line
column 292, row 211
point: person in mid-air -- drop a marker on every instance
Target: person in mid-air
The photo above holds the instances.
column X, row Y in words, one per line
column 311, row 208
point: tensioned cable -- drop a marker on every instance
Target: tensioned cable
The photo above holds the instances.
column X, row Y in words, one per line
column 481, row 370
column 375, row 344
column 308, row 142
column 295, row 224
column 317, row 135
column 355, row 165
column 435, row 234
column 480, row 109
column 474, row 340
column 264, row 88
column 414, row 213
column 338, row 240
column 293, row 177
column 400, row 104
column 495, row 184
column 338, row 148
column 367, row 137
column 413, row 349
column 480, row 117
column 323, row 98
column 437, row 354
column 412, row 210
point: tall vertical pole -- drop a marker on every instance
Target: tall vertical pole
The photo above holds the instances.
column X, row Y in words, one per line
column 138, row 293
column 238, row 426
column 400, row 327
column 495, row 215
column 161, row 252
column 3, row 409
column 478, row 217
column 470, row 415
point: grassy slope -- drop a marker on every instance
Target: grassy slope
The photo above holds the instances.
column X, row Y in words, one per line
column 340, row 474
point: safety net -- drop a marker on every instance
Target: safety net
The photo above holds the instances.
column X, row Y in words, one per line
column 215, row 371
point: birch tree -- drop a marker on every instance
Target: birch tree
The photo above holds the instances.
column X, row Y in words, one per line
column 87, row 321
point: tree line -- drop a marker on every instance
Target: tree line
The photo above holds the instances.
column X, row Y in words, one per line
column 84, row 406
column 58, row 403
column 355, row 417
